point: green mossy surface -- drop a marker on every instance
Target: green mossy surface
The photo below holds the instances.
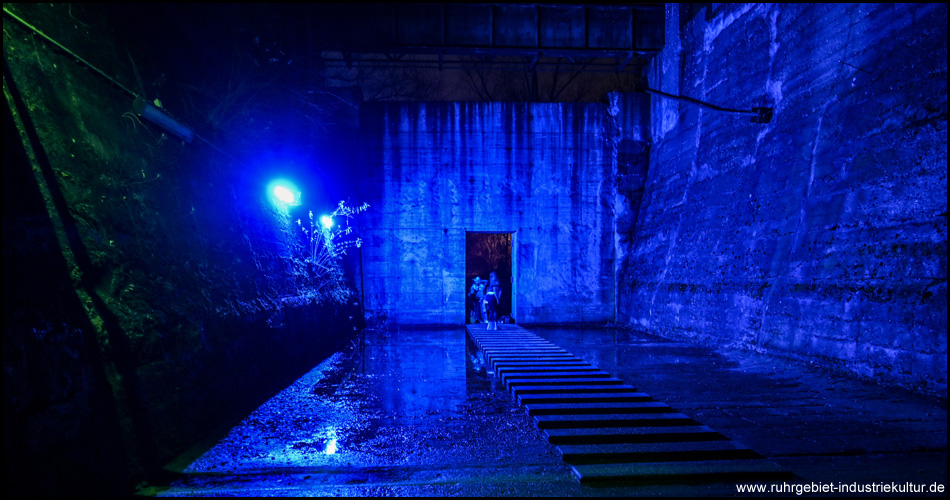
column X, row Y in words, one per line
column 193, row 288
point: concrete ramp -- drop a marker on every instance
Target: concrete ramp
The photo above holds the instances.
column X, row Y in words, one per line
column 607, row 431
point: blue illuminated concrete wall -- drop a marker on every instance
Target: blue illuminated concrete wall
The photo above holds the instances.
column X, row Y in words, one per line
column 820, row 235
column 433, row 171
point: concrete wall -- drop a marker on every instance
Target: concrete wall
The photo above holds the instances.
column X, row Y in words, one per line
column 543, row 172
column 820, row 235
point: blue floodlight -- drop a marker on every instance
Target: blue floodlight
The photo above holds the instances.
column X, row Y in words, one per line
column 283, row 193
column 327, row 221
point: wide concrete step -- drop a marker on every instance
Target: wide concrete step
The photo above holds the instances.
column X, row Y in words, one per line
column 533, row 351
column 584, row 397
column 575, row 389
column 679, row 472
column 497, row 360
column 612, row 420
column 517, row 345
column 547, row 364
column 515, row 382
column 513, row 341
column 654, row 452
column 556, row 374
column 526, row 354
column 605, row 429
column 622, row 435
column 568, row 371
column 525, row 346
column 508, row 340
column 554, row 356
column 597, row 408
column 545, row 368
column 513, row 331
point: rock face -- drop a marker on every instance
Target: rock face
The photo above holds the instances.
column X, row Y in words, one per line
column 435, row 171
column 822, row 234
column 151, row 294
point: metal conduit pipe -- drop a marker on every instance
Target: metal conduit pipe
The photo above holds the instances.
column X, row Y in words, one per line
column 759, row 115
column 144, row 109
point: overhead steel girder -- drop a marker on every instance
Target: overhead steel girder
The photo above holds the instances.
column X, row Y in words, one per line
column 530, row 61
column 616, row 35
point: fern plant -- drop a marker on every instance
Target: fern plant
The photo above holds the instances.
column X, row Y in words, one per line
column 328, row 239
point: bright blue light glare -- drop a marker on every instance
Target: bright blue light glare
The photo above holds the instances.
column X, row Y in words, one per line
column 283, row 193
column 331, row 441
column 327, row 221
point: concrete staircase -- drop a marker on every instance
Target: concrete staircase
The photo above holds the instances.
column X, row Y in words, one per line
column 607, row 431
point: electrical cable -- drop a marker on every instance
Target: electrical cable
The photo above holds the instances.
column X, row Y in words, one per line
column 78, row 58
column 759, row 115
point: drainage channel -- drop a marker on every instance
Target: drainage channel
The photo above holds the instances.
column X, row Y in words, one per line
column 608, row 432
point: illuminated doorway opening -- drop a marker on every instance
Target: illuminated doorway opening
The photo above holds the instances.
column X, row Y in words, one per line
column 486, row 252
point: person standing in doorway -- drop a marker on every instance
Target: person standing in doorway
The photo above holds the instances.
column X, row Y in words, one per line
column 493, row 300
column 477, row 299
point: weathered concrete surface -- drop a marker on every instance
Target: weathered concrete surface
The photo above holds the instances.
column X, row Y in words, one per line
column 822, row 234
column 600, row 427
column 543, row 172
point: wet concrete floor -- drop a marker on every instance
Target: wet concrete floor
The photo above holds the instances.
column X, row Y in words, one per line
column 416, row 412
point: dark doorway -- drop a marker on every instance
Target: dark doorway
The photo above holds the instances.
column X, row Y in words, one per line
column 484, row 253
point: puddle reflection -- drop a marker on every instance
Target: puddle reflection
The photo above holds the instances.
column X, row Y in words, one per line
column 417, row 373
column 409, row 396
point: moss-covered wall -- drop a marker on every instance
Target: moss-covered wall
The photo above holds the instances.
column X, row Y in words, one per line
column 151, row 293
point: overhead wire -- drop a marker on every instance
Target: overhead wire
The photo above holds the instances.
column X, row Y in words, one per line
column 70, row 52
column 101, row 73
